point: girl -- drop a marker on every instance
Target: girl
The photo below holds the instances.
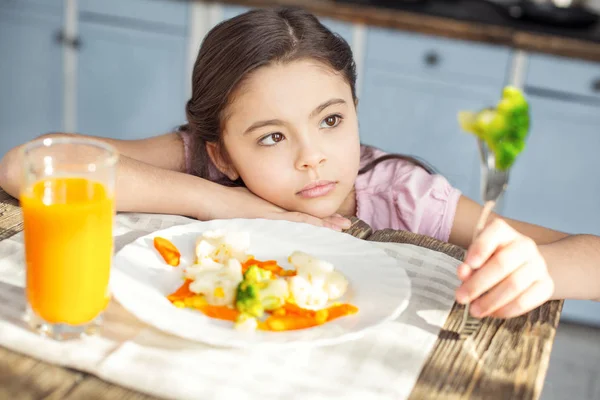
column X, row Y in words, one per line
column 273, row 117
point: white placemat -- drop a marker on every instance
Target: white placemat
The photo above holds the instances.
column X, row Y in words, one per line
column 384, row 364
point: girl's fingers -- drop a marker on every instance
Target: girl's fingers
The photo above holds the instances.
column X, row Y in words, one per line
column 339, row 221
column 536, row 295
column 501, row 264
column 464, row 272
column 505, row 292
column 498, row 234
column 334, row 222
column 304, row 218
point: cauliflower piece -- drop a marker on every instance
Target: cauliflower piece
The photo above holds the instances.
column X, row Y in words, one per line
column 203, row 265
column 220, row 246
column 306, row 295
column 218, row 285
column 275, row 293
column 305, row 261
column 316, row 281
column 246, row 323
column 336, row 285
column 234, row 267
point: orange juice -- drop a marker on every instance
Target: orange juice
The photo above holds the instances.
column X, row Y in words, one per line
column 68, row 248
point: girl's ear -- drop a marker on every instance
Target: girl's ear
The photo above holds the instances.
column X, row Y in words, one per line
column 217, row 159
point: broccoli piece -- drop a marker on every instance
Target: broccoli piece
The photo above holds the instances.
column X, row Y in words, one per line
column 248, row 297
column 257, row 275
column 504, row 128
column 258, row 292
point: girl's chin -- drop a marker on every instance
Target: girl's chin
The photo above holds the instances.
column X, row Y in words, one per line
column 319, row 209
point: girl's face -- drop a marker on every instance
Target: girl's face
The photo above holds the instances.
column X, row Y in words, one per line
column 291, row 134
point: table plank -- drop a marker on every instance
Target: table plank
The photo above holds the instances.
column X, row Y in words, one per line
column 92, row 388
column 23, row 377
column 390, row 235
column 504, row 359
column 11, row 217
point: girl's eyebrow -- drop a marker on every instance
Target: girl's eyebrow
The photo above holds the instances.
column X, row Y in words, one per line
column 260, row 124
column 278, row 122
column 323, row 106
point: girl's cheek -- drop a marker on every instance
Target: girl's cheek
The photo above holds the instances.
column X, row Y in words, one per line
column 266, row 171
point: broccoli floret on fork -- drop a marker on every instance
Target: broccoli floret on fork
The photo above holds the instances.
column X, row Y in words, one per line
column 504, row 128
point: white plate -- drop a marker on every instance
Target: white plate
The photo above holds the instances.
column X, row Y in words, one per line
column 379, row 286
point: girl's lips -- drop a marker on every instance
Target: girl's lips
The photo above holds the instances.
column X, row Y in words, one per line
column 317, row 189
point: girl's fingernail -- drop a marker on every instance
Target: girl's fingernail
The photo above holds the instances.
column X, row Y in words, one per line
column 472, row 261
column 475, row 310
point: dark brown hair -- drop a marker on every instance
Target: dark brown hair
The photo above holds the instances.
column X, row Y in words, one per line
column 237, row 47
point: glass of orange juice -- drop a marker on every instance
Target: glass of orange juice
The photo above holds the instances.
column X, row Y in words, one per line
column 68, row 201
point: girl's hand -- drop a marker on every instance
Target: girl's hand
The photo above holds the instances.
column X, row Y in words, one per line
column 242, row 203
column 504, row 275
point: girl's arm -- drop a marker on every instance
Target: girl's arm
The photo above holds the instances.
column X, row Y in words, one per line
column 150, row 179
column 165, row 152
column 513, row 267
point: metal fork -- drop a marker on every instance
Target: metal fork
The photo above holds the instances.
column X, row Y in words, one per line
column 493, row 184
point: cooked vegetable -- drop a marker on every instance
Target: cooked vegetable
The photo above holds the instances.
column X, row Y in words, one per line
column 248, row 299
column 181, row 293
column 185, row 298
column 340, row 310
column 245, row 322
column 291, row 317
column 290, row 322
column 167, row 250
column 228, row 284
column 220, row 312
column 503, row 128
column 259, row 292
column 270, row 265
column 256, row 274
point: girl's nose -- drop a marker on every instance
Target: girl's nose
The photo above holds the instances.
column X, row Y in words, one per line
column 310, row 157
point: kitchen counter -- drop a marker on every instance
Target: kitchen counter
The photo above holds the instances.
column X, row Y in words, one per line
column 458, row 19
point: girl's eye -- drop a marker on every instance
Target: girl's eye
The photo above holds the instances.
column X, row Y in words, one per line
column 331, row 121
column 271, row 139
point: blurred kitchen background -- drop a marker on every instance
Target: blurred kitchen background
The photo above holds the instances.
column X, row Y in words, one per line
column 121, row 68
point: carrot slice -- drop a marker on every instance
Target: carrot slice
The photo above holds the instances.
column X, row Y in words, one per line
column 260, row 264
column 330, row 313
column 182, row 292
column 220, row 312
column 167, row 250
column 290, row 322
column 340, row 310
column 294, row 309
column 269, row 265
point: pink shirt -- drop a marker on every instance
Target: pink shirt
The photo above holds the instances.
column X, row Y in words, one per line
column 400, row 195
column 396, row 194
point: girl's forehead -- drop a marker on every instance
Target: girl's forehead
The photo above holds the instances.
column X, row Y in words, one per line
column 291, row 89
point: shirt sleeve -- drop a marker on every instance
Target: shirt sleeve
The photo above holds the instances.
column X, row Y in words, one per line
column 425, row 204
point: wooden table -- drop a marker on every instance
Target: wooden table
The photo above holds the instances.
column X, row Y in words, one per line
column 503, row 360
